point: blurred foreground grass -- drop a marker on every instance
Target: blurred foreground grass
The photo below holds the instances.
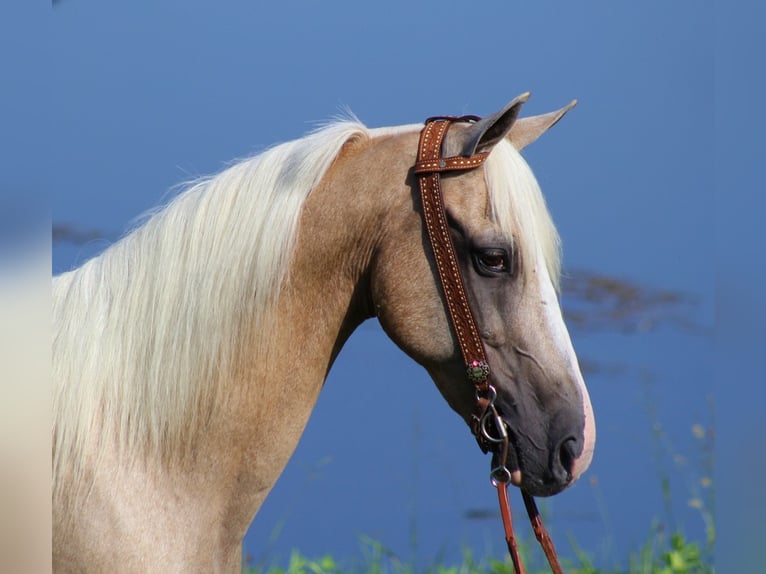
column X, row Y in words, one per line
column 660, row 555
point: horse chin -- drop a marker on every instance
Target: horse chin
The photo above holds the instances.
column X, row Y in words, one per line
column 526, row 479
column 539, row 488
column 533, row 484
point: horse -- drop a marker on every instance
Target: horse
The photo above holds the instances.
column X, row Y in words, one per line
column 188, row 356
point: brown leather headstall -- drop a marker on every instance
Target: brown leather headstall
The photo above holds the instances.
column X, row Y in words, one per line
column 430, row 164
column 486, row 423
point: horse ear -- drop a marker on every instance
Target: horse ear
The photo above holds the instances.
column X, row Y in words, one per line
column 484, row 134
column 526, row 130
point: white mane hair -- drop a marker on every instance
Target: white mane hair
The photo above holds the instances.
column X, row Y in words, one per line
column 143, row 332
column 519, row 209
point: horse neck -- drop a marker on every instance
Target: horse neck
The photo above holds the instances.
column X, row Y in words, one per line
column 359, row 202
column 325, row 297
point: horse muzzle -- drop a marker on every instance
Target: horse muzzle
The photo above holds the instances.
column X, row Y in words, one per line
column 541, row 466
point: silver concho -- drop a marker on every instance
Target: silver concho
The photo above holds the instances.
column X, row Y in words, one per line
column 477, row 371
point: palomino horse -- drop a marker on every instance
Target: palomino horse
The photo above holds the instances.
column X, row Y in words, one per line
column 188, row 356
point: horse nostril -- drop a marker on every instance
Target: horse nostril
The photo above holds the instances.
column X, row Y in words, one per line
column 566, row 458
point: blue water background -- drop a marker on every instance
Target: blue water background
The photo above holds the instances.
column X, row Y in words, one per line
column 150, row 94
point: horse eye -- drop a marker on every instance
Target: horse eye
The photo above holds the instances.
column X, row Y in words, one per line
column 492, row 261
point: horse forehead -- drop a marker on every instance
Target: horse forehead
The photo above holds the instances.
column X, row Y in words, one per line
column 466, row 196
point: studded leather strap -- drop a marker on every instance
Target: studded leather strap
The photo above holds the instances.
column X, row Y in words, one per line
column 428, row 167
column 458, row 163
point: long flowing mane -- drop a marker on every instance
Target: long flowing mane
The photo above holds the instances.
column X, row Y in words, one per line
column 143, row 332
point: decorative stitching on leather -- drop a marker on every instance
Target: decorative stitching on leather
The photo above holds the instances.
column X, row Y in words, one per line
column 450, row 163
column 428, row 166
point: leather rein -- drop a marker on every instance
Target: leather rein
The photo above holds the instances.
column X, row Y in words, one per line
column 486, row 423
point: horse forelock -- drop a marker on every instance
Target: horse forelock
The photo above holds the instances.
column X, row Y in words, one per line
column 143, row 332
column 519, row 209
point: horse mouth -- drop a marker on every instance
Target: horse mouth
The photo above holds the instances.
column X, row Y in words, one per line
column 516, row 470
column 508, row 470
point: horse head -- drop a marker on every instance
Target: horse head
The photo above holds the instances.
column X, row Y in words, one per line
column 507, row 251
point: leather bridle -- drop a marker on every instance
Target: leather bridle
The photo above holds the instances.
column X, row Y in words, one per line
column 486, row 423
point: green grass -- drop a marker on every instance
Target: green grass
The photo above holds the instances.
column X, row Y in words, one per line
column 659, row 555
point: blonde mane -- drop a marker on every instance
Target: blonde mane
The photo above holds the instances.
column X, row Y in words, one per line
column 518, row 207
column 143, row 332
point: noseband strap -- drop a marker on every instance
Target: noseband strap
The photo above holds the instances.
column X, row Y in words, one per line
column 486, row 423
